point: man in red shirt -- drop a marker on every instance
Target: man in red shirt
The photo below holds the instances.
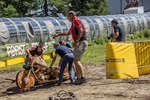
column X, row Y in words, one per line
column 78, row 32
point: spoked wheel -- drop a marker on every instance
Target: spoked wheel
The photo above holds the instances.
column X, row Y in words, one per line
column 24, row 82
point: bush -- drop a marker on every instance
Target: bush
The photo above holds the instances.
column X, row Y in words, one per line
column 139, row 35
column 102, row 40
column 146, row 33
column 90, row 43
column 142, row 34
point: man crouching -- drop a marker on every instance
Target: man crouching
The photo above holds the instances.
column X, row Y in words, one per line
column 67, row 58
column 35, row 51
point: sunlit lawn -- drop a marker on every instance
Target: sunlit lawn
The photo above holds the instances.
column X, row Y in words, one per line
column 93, row 54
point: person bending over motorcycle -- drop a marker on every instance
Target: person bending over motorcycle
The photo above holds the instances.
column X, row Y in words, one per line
column 67, row 44
column 67, row 58
column 34, row 51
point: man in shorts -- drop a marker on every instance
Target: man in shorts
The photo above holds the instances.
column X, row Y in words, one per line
column 78, row 32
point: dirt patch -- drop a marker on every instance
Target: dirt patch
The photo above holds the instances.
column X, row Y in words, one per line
column 97, row 87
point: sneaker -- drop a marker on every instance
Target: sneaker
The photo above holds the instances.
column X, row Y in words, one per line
column 72, row 81
column 75, row 77
column 83, row 79
column 78, row 82
column 58, row 84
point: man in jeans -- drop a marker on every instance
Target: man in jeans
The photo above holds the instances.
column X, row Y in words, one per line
column 67, row 44
column 67, row 58
column 78, row 32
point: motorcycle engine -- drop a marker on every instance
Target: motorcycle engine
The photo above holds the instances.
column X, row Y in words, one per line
column 41, row 76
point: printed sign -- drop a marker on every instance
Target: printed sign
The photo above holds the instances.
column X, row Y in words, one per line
column 14, row 50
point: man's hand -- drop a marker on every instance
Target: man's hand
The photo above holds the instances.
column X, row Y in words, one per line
column 31, row 57
column 50, row 67
column 55, row 35
column 76, row 44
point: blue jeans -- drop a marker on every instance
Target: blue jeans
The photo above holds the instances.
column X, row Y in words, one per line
column 67, row 59
column 26, row 61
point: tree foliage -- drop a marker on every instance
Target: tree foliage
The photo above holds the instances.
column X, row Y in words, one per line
column 9, row 11
column 82, row 7
column 23, row 8
column 16, row 8
column 90, row 7
column 60, row 6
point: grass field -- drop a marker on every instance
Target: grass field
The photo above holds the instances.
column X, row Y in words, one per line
column 95, row 53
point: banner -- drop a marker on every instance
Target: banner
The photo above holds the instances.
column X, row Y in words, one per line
column 19, row 49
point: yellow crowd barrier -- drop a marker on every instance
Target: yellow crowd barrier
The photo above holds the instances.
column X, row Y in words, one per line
column 21, row 59
column 142, row 52
column 127, row 60
column 121, row 61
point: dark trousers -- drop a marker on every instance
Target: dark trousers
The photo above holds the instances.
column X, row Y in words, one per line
column 67, row 59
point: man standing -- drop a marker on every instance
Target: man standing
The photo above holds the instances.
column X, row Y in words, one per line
column 119, row 32
column 78, row 32
column 67, row 58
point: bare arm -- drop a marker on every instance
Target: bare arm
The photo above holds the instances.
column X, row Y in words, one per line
column 80, row 33
column 62, row 34
column 30, row 49
column 115, row 35
column 42, row 55
column 53, row 61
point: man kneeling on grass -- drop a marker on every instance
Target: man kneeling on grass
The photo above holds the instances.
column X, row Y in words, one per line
column 67, row 58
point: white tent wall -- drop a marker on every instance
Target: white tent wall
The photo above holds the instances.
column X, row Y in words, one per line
column 13, row 30
column 29, row 33
column 4, row 34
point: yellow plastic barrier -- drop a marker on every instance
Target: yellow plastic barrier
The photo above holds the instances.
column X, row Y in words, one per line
column 142, row 52
column 2, row 63
column 47, row 56
column 121, row 61
column 21, row 59
column 15, row 61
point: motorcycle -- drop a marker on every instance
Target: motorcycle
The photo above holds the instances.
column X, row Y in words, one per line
column 37, row 73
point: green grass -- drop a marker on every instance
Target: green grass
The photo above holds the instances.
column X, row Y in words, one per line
column 19, row 66
column 94, row 53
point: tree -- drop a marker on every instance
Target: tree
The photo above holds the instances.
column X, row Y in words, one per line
column 90, row 7
column 60, row 6
column 51, row 7
column 43, row 8
column 82, row 7
column 16, row 8
column 10, row 11
column 25, row 6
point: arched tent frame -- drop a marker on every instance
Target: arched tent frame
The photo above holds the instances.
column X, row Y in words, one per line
column 21, row 30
